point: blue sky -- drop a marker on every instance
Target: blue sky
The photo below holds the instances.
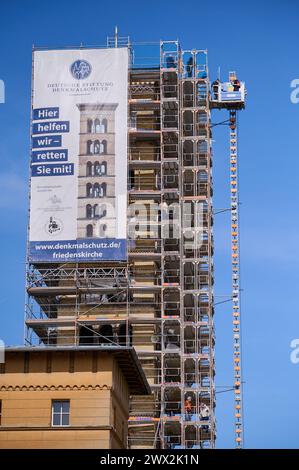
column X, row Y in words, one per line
column 260, row 40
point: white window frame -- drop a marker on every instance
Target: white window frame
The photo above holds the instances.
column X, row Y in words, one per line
column 60, row 414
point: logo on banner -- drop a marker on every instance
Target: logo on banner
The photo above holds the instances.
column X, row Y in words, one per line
column 54, row 226
column 80, row 69
column 54, row 199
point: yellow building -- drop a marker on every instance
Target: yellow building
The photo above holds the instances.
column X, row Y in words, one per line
column 68, row 397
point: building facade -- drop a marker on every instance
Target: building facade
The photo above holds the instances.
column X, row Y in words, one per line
column 72, row 398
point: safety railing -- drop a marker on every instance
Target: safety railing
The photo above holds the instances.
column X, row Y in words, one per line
column 195, row 159
column 171, row 378
column 171, row 181
column 140, row 183
column 188, row 100
column 144, row 123
column 172, row 408
column 169, row 91
column 196, row 279
column 199, row 189
column 143, row 442
column 144, row 154
column 141, row 245
column 170, row 150
column 170, row 121
column 57, row 276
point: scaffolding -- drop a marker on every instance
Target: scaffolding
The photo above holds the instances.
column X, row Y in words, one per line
column 161, row 300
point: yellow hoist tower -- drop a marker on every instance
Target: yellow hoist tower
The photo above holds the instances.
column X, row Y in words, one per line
column 230, row 95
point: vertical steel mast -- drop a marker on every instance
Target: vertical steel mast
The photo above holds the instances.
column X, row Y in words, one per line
column 235, row 254
column 230, row 95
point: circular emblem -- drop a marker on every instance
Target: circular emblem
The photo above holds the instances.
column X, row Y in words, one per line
column 80, row 69
column 54, row 226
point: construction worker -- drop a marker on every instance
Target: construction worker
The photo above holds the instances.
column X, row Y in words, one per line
column 236, row 85
column 215, row 88
column 204, row 411
column 188, row 408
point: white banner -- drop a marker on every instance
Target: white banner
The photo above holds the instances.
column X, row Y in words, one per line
column 79, row 155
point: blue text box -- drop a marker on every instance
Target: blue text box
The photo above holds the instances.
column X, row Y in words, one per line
column 45, row 113
column 40, row 156
column 46, row 141
column 61, row 169
column 50, row 127
column 88, row 249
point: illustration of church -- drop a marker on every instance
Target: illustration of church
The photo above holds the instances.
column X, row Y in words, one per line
column 96, row 176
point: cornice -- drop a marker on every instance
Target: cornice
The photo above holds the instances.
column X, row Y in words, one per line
column 53, row 388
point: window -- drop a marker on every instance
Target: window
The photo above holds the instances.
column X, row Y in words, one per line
column 104, row 189
column 89, row 126
column 97, row 147
column 99, row 190
column 104, row 168
column 98, row 127
column 100, row 169
column 60, row 413
column 89, row 230
column 95, row 211
column 89, row 190
column 104, row 125
column 97, row 169
column 89, row 147
column 103, row 229
column 89, row 212
column 102, row 211
column 88, row 169
column 104, row 146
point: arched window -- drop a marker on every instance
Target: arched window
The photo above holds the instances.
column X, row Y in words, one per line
column 102, row 210
column 104, row 146
column 96, row 190
column 89, row 211
column 103, row 229
column 89, row 147
column 99, row 190
column 97, row 126
column 88, row 169
column 89, row 190
column 89, row 230
column 100, row 169
column 97, row 169
column 104, row 125
column 89, row 126
column 97, row 147
column 104, row 189
column 95, row 211
column 103, row 169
